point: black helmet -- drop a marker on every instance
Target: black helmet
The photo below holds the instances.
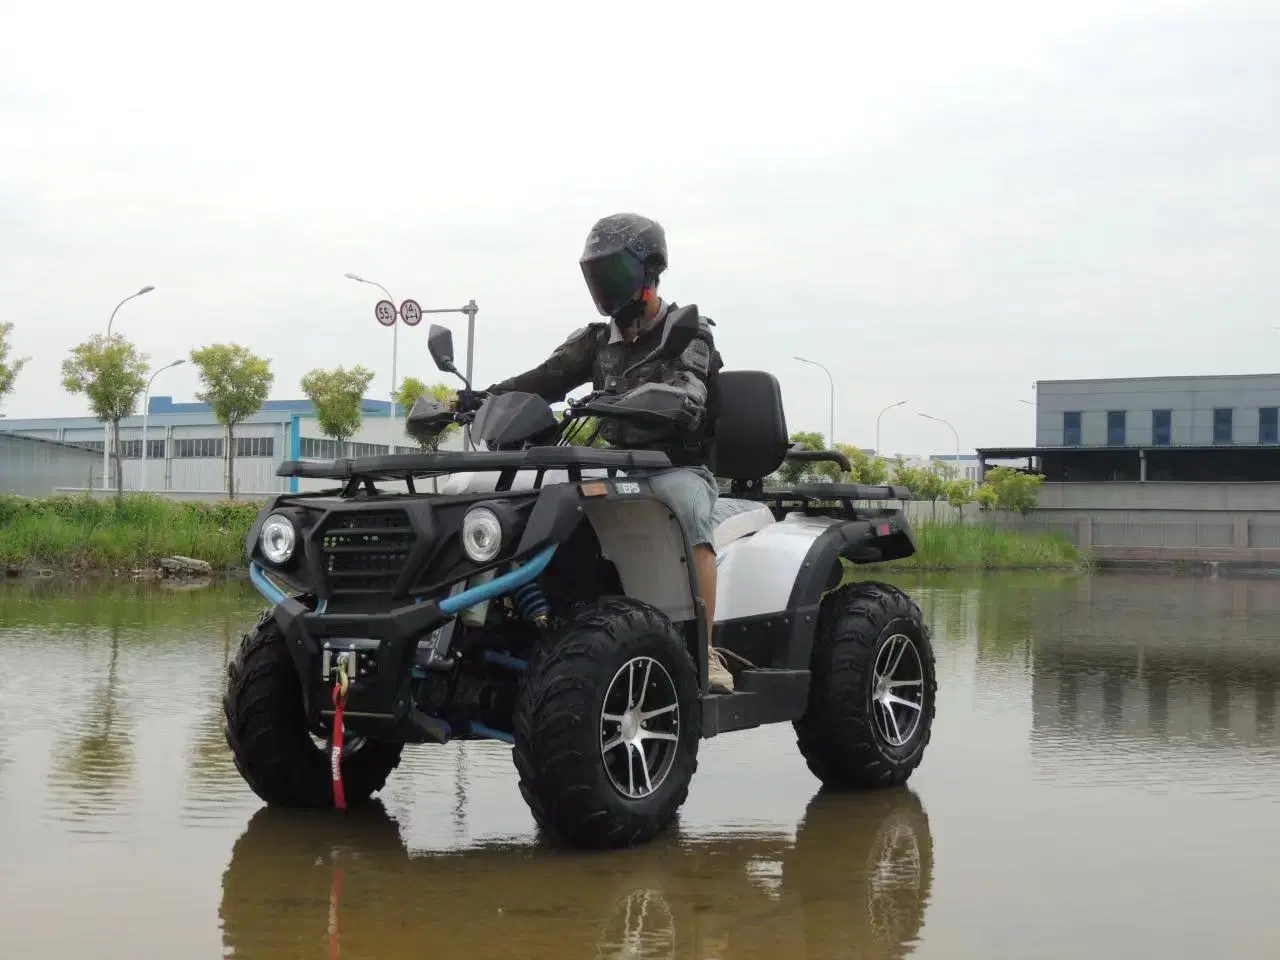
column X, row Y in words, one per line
column 624, row 253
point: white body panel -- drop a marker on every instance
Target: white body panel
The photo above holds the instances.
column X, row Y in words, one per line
column 757, row 559
column 755, row 574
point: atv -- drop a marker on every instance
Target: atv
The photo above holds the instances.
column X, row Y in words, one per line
column 541, row 595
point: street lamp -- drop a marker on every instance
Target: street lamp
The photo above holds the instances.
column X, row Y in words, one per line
column 831, row 438
column 878, row 416
column 395, row 332
column 953, row 431
column 146, row 405
column 106, row 427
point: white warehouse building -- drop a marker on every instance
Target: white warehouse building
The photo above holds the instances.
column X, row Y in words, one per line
column 186, row 446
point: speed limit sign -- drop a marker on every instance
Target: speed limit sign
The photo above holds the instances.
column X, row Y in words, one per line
column 385, row 311
column 411, row 313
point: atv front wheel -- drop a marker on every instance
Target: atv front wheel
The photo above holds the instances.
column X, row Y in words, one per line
column 266, row 729
column 607, row 726
column 872, row 696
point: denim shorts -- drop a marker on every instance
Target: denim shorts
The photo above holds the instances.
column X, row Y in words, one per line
column 691, row 493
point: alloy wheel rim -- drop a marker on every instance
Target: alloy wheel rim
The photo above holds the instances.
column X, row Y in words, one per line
column 639, row 727
column 897, row 690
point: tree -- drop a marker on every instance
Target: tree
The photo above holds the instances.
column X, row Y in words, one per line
column 111, row 373
column 9, row 368
column 411, row 388
column 866, row 469
column 236, row 384
column 792, row 472
column 958, row 492
column 336, row 395
column 1007, row 489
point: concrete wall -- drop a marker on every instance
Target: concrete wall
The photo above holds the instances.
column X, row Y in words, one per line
column 36, row 468
column 1191, row 401
column 1162, row 521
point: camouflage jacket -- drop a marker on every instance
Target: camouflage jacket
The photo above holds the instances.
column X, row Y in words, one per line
column 598, row 354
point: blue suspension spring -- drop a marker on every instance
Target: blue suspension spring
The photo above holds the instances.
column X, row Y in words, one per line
column 531, row 603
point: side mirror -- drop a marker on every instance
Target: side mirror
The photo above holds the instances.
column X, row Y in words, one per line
column 678, row 331
column 440, row 346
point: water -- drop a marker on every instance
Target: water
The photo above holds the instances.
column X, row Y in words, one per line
column 1103, row 781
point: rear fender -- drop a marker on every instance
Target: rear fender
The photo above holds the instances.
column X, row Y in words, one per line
column 770, row 585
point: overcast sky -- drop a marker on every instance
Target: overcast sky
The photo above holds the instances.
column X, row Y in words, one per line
column 941, row 202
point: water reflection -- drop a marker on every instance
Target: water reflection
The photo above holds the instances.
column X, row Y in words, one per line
column 94, row 756
column 127, row 830
column 855, row 881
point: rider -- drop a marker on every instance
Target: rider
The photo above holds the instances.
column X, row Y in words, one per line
column 621, row 261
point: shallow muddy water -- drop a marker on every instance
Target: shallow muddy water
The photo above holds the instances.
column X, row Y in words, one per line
column 1103, row 781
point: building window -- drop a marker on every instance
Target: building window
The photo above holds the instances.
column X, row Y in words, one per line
column 1115, row 428
column 313, row 448
column 132, row 449
column 198, row 447
column 1161, row 428
column 1268, row 425
column 1222, row 425
column 1071, row 428
column 255, row 446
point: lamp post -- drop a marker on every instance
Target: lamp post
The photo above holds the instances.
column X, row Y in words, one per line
column 146, row 396
column 831, row 437
column 395, row 332
column 899, row 403
column 953, row 431
column 106, row 427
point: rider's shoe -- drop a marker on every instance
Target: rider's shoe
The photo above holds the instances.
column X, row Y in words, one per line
column 718, row 673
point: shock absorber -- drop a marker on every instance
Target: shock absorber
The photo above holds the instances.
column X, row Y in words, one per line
column 531, row 604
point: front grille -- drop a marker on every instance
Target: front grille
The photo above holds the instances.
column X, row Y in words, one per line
column 364, row 552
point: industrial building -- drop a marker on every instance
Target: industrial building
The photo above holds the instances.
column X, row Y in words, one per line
column 186, row 446
column 1202, row 429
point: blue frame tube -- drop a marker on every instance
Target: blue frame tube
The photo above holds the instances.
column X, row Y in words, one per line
column 500, row 585
column 449, row 606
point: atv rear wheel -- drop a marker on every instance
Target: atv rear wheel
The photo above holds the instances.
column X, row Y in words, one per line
column 266, row 729
column 873, row 692
column 607, row 726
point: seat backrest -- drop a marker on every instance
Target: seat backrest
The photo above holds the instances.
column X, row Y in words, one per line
column 751, row 433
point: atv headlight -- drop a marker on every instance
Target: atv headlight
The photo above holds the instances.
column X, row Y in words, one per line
column 481, row 534
column 278, row 539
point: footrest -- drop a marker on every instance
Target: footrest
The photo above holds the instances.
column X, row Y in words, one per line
column 759, row 697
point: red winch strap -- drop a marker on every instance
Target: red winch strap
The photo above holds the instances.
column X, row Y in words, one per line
column 335, row 748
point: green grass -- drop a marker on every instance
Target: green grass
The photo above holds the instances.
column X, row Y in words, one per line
column 83, row 534
column 965, row 546
column 87, row 534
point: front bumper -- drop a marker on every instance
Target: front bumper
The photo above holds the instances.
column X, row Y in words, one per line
column 379, row 699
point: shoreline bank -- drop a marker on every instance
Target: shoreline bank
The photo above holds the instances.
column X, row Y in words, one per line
column 84, row 538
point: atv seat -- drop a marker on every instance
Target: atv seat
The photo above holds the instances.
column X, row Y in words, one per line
column 751, row 443
column 734, row 519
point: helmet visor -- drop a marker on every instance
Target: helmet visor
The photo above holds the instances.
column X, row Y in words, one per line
column 613, row 280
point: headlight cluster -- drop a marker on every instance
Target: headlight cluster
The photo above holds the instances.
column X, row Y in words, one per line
column 278, row 539
column 481, row 534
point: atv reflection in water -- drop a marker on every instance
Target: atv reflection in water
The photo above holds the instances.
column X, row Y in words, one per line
column 856, row 881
